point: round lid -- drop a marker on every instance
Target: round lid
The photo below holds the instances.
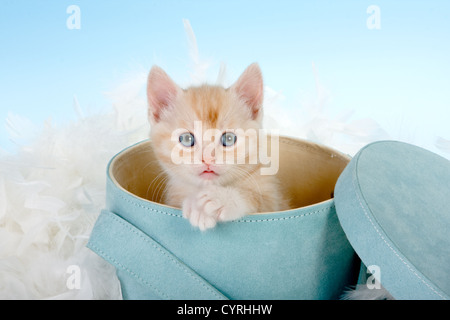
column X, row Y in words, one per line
column 393, row 202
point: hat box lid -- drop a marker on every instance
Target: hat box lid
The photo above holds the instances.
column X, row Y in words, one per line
column 393, row 202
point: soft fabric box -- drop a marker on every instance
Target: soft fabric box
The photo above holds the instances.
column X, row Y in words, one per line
column 296, row 254
column 391, row 207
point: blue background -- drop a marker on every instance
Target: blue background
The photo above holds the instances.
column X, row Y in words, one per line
column 398, row 75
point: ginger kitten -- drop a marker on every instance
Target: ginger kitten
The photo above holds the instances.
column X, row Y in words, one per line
column 198, row 135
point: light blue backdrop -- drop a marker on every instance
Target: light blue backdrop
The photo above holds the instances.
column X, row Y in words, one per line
column 391, row 65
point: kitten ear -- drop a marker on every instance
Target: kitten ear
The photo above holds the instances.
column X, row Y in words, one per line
column 161, row 92
column 249, row 88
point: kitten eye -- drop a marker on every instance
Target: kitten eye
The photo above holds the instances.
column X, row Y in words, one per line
column 228, row 139
column 187, row 139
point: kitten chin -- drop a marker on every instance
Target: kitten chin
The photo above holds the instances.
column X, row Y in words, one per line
column 192, row 129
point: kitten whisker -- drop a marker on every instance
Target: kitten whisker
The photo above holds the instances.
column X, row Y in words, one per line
column 241, row 172
column 155, row 182
column 159, row 189
column 149, row 163
column 163, row 196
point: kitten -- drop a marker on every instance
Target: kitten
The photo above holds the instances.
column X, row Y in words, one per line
column 193, row 130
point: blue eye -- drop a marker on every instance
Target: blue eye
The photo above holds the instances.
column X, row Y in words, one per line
column 228, row 139
column 187, row 139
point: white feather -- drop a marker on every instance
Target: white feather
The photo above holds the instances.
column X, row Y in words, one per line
column 199, row 66
column 363, row 292
column 443, row 144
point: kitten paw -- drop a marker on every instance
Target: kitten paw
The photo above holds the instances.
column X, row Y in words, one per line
column 195, row 212
column 211, row 205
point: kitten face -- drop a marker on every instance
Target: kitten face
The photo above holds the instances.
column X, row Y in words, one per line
column 206, row 135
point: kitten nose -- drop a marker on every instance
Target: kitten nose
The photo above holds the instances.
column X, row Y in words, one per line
column 208, row 160
column 208, row 156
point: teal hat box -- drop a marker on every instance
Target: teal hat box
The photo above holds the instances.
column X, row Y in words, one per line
column 310, row 252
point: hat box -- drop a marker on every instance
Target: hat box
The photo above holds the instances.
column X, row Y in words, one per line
column 312, row 251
